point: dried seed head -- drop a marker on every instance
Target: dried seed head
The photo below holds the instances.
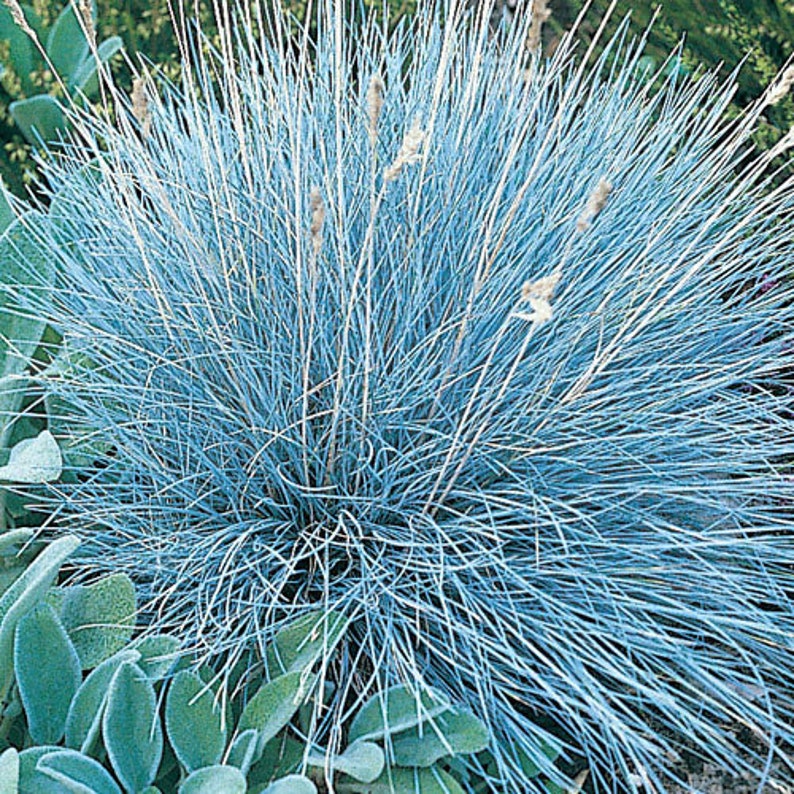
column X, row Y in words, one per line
column 140, row 105
column 318, row 218
column 542, row 288
column 408, row 154
column 538, row 294
column 374, row 106
column 540, row 14
column 18, row 15
column 84, row 7
column 598, row 198
column 780, row 88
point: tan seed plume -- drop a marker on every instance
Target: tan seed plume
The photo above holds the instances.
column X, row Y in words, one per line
column 538, row 294
column 540, row 15
column 140, row 105
column 374, row 106
column 596, row 202
column 408, row 154
column 317, row 206
column 84, row 7
column 780, row 88
column 18, row 15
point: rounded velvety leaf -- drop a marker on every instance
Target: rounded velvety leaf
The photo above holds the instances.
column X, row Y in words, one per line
column 30, row 587
column 462, row 734
column 31, row 779
column 47, row 671
column 67, row 46
column 100, row 618
column 21, row 330
column 215, row 779
column 22, row 54
column 242, row 753
column 131, row 728
column 194, row 722
column 299, row 645
column 399, row 780
column 78, row 773
column 159, row 653
column 362, row 760
column 291, row 784
column 274, row 705
column 84, row 720
column 40, row 119
column 9, row 771
column 397, row 709
column 86, row 78
column 34, row 461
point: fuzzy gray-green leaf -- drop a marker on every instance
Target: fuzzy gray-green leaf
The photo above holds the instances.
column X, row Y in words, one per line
column 398, row 709
column 242, row 753
column 34, row 461
column 22, row 263
column 29, row 588
column 158, row 654
column 40, row 119
column 9, row 771
column 274, row 705
column 47, row 671
column 31, row 779
column 291, row 784
column 100, row 618
column 215, row 779
column 362, row 760
column 194, row 722
column 131, row 728
column 86, row 78
column 67, row 46
column 85, row 712
column 77, row 773
column 462, row 734
column 299, row 645
column 398, row 780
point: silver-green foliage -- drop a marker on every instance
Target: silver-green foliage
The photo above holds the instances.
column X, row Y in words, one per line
column 104, row 733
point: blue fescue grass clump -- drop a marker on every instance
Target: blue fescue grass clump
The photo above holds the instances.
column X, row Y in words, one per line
column 489, row 353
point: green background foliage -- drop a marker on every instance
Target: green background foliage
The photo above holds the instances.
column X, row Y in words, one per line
column 717, row 33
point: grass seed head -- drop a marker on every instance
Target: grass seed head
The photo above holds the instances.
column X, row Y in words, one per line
column 781, row 87
column 409, row 152
column 374, row 106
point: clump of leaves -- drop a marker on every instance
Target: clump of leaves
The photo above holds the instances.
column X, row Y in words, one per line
column 490, row 356
column 88, row 709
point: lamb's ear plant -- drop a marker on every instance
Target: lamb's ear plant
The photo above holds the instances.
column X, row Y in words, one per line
column 41, row 64
column 89, row 709
column 489, row 355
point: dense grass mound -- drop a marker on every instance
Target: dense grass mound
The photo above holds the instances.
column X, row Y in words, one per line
column 488, row 353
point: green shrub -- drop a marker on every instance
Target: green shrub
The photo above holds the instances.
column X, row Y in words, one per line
column 717, row 34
